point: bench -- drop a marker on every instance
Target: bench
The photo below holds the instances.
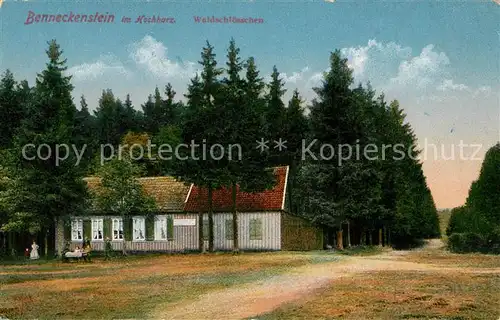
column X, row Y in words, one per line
column 78, row 256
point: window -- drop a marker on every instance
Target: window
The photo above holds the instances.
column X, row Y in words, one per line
column 139, row 225
column 77, row 229
column 164, row 228
column 97, row 229
column 229, row 229
column 205, row 229
column 255, row 229
column 161, row 228
column 117, row 227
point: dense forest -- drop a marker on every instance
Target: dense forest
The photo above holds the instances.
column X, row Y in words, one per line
column 226, row 103
column 475, row 226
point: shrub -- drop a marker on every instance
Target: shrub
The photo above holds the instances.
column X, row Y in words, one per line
column 455, row 242
column 467, row 242
column 492, row 244
column 465, row 219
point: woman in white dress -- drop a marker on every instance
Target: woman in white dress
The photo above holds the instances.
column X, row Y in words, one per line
column 34, row 251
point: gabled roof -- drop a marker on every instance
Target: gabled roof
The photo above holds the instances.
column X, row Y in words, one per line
column 269, row 200
column 170, row 194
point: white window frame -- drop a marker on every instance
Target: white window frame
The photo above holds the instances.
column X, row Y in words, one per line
column 161, row 225
column 97, row 226
column 77, row 226
column 139, row 226
column 251, row 236
column 117, row 225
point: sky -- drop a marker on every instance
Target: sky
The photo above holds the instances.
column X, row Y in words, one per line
column 439, row 59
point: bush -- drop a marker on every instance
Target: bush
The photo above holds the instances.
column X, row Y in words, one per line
column 467, row 242
column 493, row 241
column 455, row 242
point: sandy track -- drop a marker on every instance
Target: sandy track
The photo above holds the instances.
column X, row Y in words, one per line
column 264, row 296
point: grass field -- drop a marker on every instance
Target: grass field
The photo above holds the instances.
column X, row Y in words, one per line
column 401, row 295
column 468, row 287
column 131, row 287
column 445, row 286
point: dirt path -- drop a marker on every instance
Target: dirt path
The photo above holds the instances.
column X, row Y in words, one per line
column 264, row 296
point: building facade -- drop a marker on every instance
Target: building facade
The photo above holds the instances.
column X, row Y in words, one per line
column 264, row 224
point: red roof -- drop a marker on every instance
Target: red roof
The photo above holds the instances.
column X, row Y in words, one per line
column 269, row 200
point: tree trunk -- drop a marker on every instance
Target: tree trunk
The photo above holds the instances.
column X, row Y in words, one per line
column 201, row 241
column 124, row 247
column 370, row 237
column 236, row 245
column 380, row 237
column 362, row 236
column 127, row 232
column 13, row 244
column 340, row 242
column 389, row 236
column 10, row 242
column 334, row 236
column 46, row 243
column 385, row 236
column 210, row 220
column 348, row 234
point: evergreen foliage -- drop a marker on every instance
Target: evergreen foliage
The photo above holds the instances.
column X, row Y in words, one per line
column 230, row 105
column 476, row 225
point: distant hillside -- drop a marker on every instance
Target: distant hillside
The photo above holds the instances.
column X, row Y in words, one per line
column 444, row 217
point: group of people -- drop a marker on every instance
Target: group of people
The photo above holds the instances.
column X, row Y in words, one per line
column 78, row 252
column 84, row 251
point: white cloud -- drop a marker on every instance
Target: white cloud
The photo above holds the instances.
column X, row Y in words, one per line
column 422, row 70
column 448, row 85
column 296, row 76
column 484, row 91
column 151, row 55
column 392, row 69
column 105, row 65
column 368, row 61
column 315, row 79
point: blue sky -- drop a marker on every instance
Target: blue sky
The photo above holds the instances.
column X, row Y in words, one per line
column 439, row 59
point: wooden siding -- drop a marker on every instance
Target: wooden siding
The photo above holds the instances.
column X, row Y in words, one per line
column 185, row 239
column 298, row 234
column 280, row 231
column 271, row 231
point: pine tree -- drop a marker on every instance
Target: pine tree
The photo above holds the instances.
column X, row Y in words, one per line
column 107, row 121
column 171, row 112
column 12, row 108
column 131, row 118
column 85, row 133
column 47, row 190
column 295, row 131
column 275, row 115
column 330, row 124
column 203, row 122
column 487, row 197
column 406, row 195
column 240, row 105
column 148, row 115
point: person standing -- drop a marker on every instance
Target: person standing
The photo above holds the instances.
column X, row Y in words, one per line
column 34, row 251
